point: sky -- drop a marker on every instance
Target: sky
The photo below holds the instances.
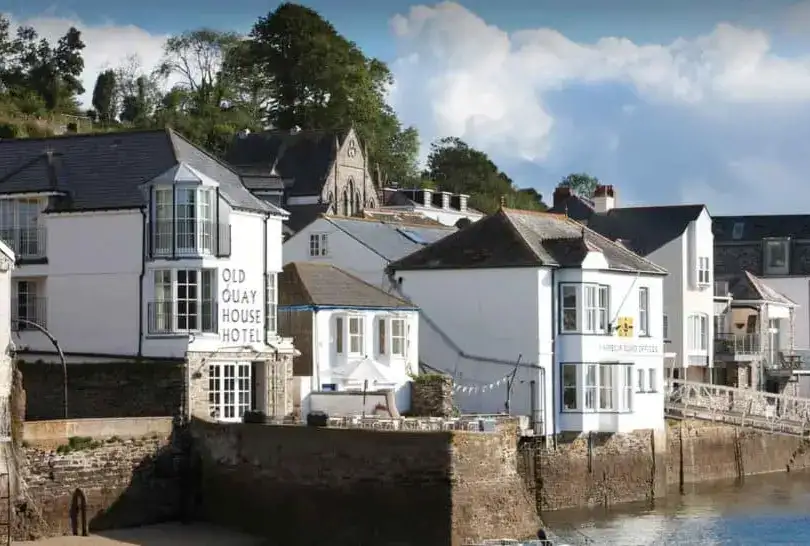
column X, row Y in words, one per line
column 670, row 101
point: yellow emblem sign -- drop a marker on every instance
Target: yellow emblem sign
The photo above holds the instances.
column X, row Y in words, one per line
column 624, row 327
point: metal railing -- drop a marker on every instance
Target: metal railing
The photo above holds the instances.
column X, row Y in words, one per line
column 737, row 344
column 173, row 238
column 28, row 308
column 27, row 242
column 740, row 407
column 181, row 316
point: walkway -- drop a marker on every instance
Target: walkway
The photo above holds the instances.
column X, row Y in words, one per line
column 156, row 535
column 746, row 408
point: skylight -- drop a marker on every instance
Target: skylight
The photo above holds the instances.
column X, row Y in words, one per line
column 737, row 230
column 412, row 236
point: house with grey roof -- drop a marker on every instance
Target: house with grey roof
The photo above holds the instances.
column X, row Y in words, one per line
column 140, row 245
column 536, row 314
column 362, row 246
column 357, row 342
column 679, row 238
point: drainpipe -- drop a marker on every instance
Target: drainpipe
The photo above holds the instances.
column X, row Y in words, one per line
column 144, row 247
column 266, row 278
column 553, row 359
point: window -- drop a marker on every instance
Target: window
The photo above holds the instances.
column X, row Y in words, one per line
column 398, row 337
column 653, row 379
column 381, row 336
column 703, row 271
column 184, row 220
column 569, row 308
column 606, row 392
column 627, row 399
column 318, row 245
column 604, row 308
column 28, row 305
column 776, row 256
column 644, row 311
column 271, row 309
column 590, row 387
column 355, row 335
column 641, row 385
column 697, row 333
column 229, row 390
column 569, row 386
column 737, row 231
column 665, row 324
column 184, row 301
column 19, row 227
column 339, row 335
column 591, row 308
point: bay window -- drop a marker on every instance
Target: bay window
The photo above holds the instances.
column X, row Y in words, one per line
column 398, row 337
column 229, row 390
column 606, row 391
column 569, row 297
column 355, row 335
column 349, row 335
column 597, row 387
column 392, row 338
column 569, row 387
column 184, row 301
column 584, row 308
column 591, row 388
column 184, row 221
column 627, row 398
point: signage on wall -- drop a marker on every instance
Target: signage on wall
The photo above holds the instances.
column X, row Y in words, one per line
column 632, row 348
column 241, row 309
column 624, row 327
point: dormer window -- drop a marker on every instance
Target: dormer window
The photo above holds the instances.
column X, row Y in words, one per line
column 737, row 231
column 184, row 221
column 776, row 259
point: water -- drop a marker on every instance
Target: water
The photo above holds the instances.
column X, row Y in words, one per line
column 770, row 509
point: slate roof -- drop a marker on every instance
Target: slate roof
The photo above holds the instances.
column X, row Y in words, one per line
column 302, row 160
column 515, row 238
column 402, row 217
column 390, row 240
column 641, row 229
column 303, row 215
column 321, row 284
column 747, row 286
column 756, row 228
column 105, row 170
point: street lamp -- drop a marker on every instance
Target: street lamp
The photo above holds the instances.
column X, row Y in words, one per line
column 61, row 357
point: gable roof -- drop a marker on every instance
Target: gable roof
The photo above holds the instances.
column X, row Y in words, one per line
column 388, row 239
column 302, row 159
column 324, row 285
column 758, row 227
column 516, row 238
column 106, row 170
column 747, row 286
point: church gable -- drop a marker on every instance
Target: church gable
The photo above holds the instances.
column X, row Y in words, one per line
column 350, row 187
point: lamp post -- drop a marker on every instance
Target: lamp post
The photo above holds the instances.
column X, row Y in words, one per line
column 61, row 357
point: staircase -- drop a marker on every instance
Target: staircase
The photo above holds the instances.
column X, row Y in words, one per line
column 744, row 408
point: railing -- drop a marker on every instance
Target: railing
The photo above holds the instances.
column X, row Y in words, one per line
column 173, row 238
column 181, row 316
column 737, row 344
column 27, row 243
column 740, row 407
column 28, row 308
column 721, row 289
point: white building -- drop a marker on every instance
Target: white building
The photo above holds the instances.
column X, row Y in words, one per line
column 361, row 246
column 678, row 238
column 572, row 320
column 139, row 245
column 444, row 207
column 7, row 260
column 352, row 336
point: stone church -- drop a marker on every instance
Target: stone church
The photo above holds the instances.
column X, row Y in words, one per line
column 306, row 172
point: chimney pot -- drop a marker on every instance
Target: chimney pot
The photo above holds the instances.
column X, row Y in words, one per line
column 604, row 198
column 446, row 199
column 427, row 197
column 561, row 193
column 462, row 202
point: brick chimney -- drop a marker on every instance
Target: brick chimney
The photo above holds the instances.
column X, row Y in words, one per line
column 561, row 193
column 604, row 198
column 446, row 199
column 427, row 197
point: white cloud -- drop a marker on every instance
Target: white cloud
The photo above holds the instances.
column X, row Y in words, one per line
column 458, row 75
column 107, row 45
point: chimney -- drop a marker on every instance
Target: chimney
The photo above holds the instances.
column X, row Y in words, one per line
column 561, row 193
column 427, row 197
column 604, row 198
column 446, row 199
column 462, row 202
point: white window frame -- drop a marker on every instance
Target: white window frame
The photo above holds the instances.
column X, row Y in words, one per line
column 665, row 326
column 318, row 245
column 229, row 390
column 643, row 311
column 399, row 337
column 570, row 372
column 641, row 386
column 27, row 294
column 175, row 311
column 604, row 308
column 591, row 387
column 567, row 310
column 183, row 220
column 704, row 274
column 607, row 392
column 271, row 307
column 19, row 226
column 768, row 247
column 590, row 310
column 355, row 326
column 697, row 330
column 340, row 335
column 382, row 337
column 627, row 388
column 652, row 380
column 597, row 387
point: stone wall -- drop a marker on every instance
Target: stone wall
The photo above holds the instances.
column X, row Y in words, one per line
column 349, row 487
column 93, row 485
column 110, row 389
column 432, row 396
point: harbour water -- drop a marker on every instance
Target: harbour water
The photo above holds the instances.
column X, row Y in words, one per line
column 768, row 509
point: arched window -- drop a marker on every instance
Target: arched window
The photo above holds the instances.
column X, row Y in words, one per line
column 346, row 204
column 358, row 202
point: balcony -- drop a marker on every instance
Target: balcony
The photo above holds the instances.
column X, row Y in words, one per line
column 28, row 309
column 27, row 243
column 188, row 238
column 181, row 317
column 737, row 347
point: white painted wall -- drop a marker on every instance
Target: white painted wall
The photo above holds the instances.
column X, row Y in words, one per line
column 6, row 268
column 798, row 290
column 344, row 252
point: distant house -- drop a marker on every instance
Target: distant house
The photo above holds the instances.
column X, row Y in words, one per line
column 678, row 238
column 444, row 207
column 352, row 335
column 363, row 247
column 572, row 321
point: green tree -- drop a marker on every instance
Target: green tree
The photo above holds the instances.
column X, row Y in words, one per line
column 456, row 167
column 104, row 99
column 135, row 107
column 582, row 183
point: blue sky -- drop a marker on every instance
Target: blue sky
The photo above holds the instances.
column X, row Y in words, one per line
column 668, row 101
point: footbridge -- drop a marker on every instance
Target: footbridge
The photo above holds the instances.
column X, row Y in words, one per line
column 745, row 408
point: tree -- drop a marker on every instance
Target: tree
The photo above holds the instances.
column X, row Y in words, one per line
column 582, row 183
column 135, row 107
column 137, row 93
column 104, row 96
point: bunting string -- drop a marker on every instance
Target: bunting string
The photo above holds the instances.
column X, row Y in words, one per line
column 475, row 389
